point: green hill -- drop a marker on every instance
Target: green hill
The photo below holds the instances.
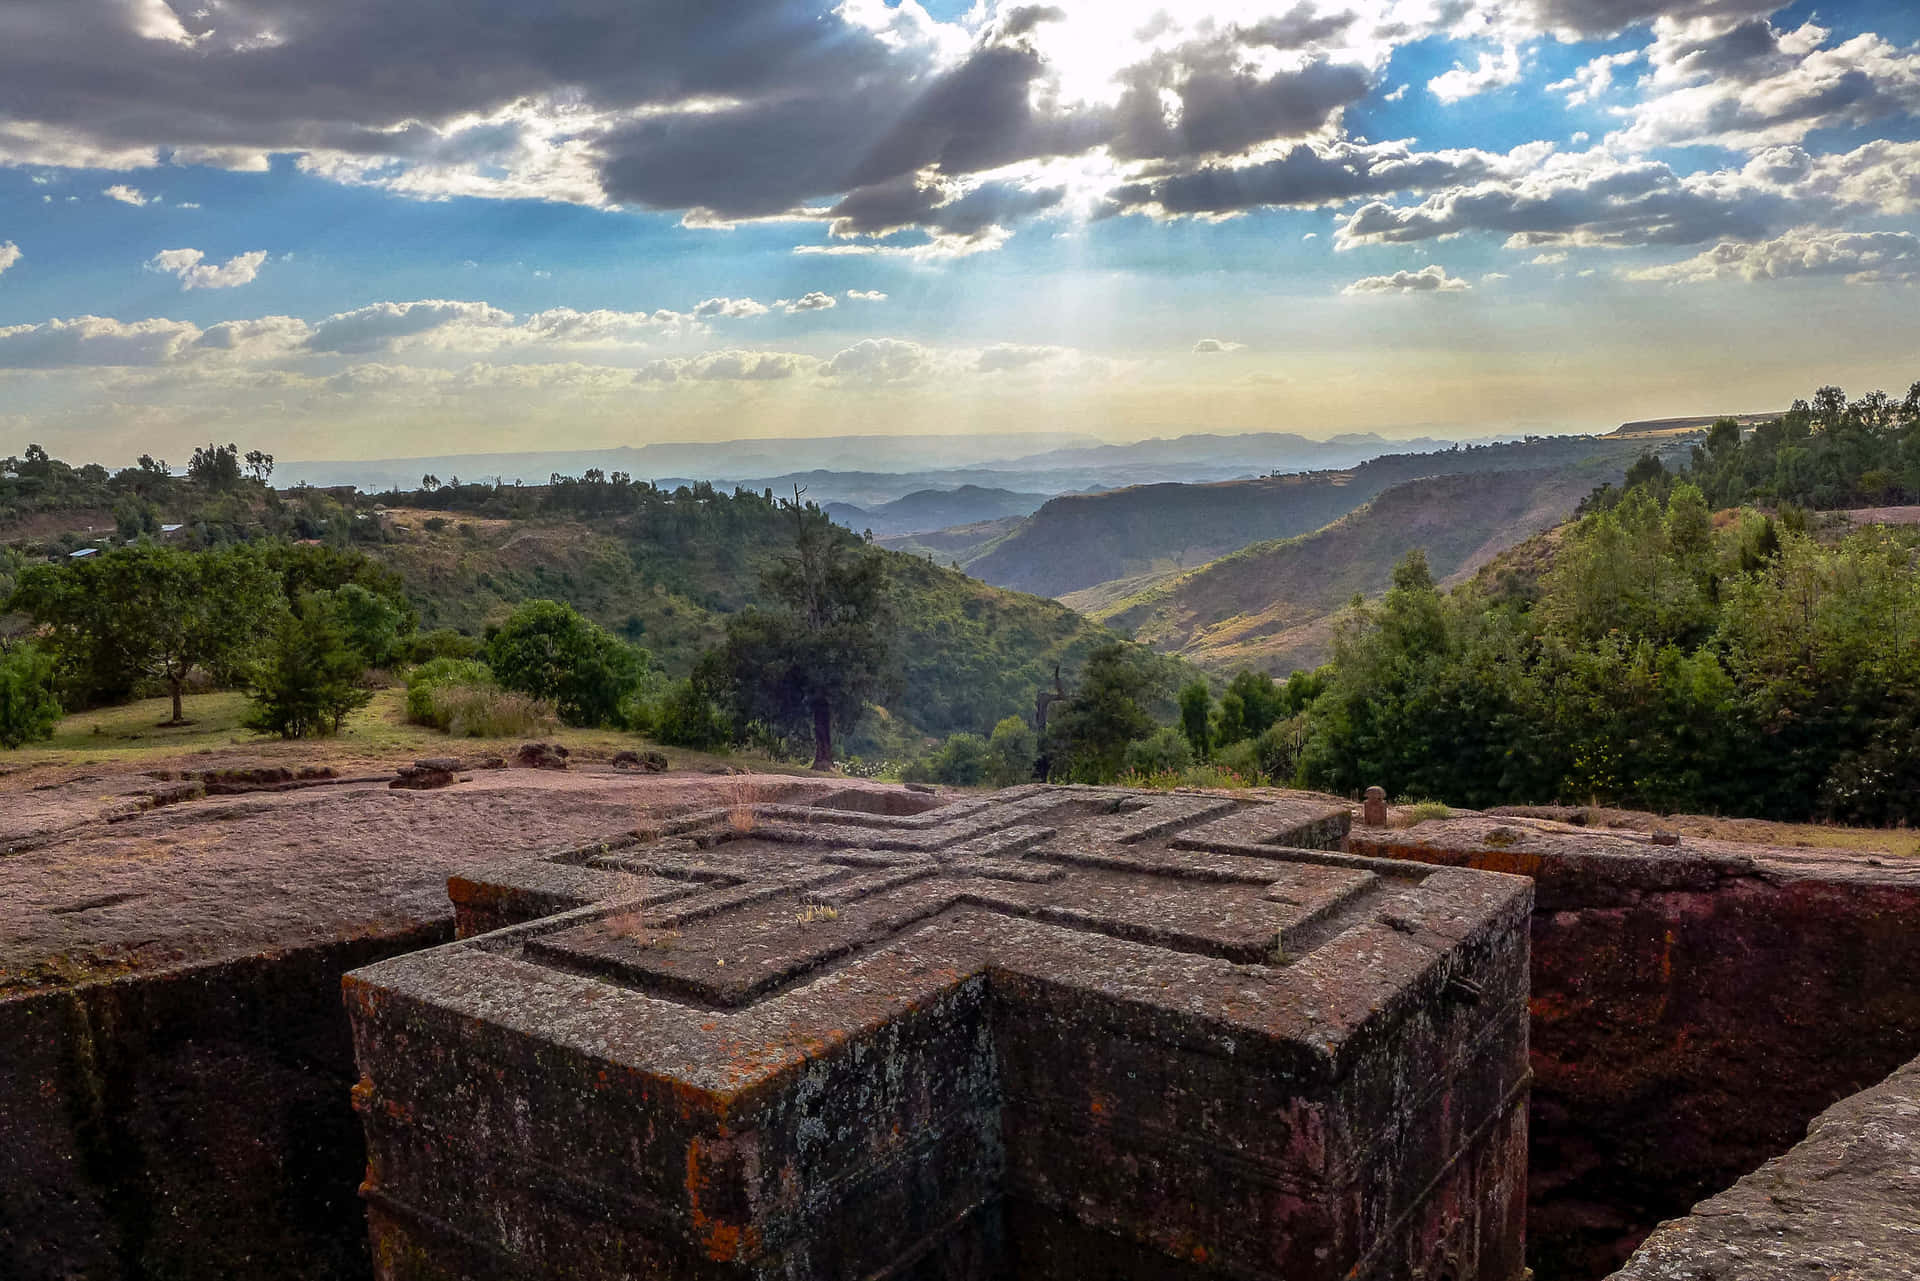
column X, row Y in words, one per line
column 969, row 653
column 1077, row 541
column 1273, row 605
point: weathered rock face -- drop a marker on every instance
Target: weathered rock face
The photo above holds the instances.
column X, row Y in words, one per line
column 1050, row 1033
column 1844, row 1203
column 175, row 1065
column 1693, row 1007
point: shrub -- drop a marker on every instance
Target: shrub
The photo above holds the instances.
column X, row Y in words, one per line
column 686, row 716
column 962, row 761
column 1243, row 758
column 1165, row 750
column 28, row 708
column 546, row 649
column 442, row 642
column 422, row 681
column 1011, row 753
column 487, row 711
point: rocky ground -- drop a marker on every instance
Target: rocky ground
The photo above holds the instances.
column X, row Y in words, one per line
column 105, row 873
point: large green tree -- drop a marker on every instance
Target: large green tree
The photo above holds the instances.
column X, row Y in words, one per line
column 546, row 649
column 154, row 611
column 820, row 658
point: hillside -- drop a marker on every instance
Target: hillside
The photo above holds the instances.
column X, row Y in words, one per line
column 1078, row 541
column 1272, row 606
column 933, row 509
column 969, row 653
column 958, row 543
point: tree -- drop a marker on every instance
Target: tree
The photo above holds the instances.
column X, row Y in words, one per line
column 372, row 624
column 827, row 652
column 1087, row 736
column 547, row 650
column 259, row 466
column 28, row 708
column 217, row 467
column 153, row 611
column 311, row 677
column 1196, row 706
column 1011, row 752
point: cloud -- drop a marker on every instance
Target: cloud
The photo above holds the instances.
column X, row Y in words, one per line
column 1595, row 79
column 9, row 254
column 1432, row 279
column 1210, row 346
column 726, row 366
column 763, row 110
column 94, row 341
column 1318, row 174
column 1575, row 20
column 1860, row 257
column 195, row 274
column 1494, row 71
column 880, row 360
column 386, row 326
column 1589, row 199
column 729, row 308
column 1006, row 357
column 1748, row 84
column 128, row 195
column 866, row 295
column 813, row 301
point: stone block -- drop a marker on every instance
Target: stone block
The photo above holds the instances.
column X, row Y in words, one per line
column 1048, row 1033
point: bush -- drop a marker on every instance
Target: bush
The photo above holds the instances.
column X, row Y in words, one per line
column 1277, row 750
column 28, row 708
column 962, row 761
column 1163, row 751
column 547, row 650
column 442, row 642
column 422, row 681
column 1011, row 753
column 487, row 711
column 1243, row 758
column 686, row 716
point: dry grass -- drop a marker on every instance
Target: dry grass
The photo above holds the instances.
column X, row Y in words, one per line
column 484, row 711
column 814, row 913
column 742, row 793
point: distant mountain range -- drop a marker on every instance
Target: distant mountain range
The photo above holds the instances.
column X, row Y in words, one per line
column 1272, row 606
column 1078, row 541
column 869, row 471
column 932, row 509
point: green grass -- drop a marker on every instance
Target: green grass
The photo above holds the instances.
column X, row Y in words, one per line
column 131, row 735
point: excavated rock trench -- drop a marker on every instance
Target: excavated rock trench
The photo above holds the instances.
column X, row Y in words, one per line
column 175, row 1066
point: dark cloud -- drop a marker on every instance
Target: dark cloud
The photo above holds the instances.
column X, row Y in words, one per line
column 1307, row 176
column 1580, row 201
column 1589, row 19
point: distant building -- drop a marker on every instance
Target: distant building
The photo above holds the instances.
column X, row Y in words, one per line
column 171, row 529
column 83, row 552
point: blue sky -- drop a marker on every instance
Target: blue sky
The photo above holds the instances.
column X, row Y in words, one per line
column 369, row 229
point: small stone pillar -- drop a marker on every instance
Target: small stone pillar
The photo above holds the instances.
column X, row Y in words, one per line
column 1374, row 812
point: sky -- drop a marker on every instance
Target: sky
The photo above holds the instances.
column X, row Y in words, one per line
column 386, row 228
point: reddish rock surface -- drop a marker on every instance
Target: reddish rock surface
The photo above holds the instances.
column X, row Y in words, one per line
column 1694, row 1006
column 1052, row 1033
column 1843, row 1204
column 174, row 1061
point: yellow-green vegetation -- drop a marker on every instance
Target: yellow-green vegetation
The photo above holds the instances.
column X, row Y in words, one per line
column 131, row 735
